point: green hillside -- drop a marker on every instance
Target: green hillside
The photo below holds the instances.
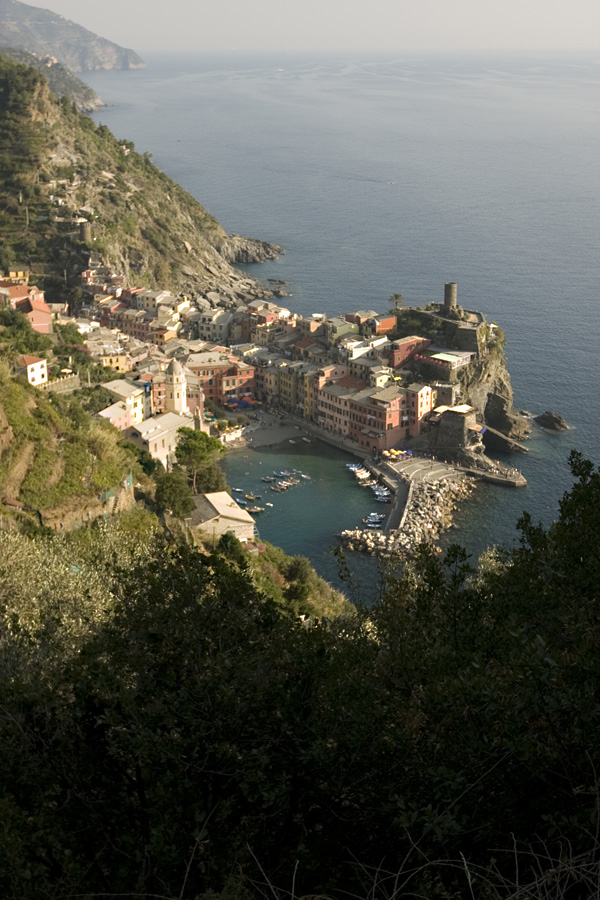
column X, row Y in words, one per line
column 60, row 168
column 61, row 80
column 57, row 460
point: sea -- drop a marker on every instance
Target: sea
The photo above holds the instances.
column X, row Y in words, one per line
column 382, row 175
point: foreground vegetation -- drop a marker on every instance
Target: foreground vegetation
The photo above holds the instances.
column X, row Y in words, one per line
column 169, row 730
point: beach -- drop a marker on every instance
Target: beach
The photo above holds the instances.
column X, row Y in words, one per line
column 269, row 430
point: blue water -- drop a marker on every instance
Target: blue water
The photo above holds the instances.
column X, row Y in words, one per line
column 306, row 518
column 382, row 175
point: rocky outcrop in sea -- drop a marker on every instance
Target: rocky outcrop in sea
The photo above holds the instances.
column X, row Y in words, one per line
column 551, row 421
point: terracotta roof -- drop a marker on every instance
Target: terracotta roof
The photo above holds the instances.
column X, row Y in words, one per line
column 30, row 360
column 350, row 381
column 40, row 306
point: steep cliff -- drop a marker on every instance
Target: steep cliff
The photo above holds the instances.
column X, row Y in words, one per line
column 43, row 32
column 486, row 386
column 62, row 171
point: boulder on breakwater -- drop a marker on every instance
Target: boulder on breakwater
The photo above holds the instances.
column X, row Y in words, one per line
column 428, row 515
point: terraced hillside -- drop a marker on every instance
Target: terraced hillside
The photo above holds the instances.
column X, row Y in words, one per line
column 61, row 464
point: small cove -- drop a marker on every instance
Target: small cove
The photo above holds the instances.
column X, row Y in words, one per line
column 305, row 519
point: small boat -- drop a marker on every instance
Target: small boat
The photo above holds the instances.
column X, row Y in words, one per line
column 382, row 499
column 307, row 440
column 291, row 441
column 249, row 496
column 268, row 478
column 238, row 490
column 307, row 477
column 255, row 509
column 268, row 504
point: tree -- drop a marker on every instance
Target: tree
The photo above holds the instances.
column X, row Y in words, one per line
column 173, row 492
column 196, row 451
column 397, row 301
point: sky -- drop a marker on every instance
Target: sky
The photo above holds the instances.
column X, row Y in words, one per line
column 339, row 25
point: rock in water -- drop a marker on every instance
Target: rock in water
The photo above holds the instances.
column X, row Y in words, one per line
column 551, row 421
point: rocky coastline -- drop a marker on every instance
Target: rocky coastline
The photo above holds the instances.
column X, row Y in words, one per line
column 428, row 513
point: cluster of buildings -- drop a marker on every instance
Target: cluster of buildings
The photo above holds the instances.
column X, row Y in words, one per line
column 349, row 374
column 17, row 293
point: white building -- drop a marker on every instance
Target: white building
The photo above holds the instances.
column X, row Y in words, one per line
column 158, row 435
column 218, row 513
column 34, row 369
column 176, row 388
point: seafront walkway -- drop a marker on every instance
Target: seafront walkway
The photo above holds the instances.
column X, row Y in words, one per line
column 422, row 468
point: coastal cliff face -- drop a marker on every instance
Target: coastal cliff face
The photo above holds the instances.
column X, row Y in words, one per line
column 42, row 32
column 244, row 250
column 486, row 386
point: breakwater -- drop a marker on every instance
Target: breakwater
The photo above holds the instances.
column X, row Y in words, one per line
column 428, row 513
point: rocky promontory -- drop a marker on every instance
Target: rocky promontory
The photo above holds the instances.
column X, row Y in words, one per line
column 45, row 33
column 486, row 386
column 137, row 220
column 240, row 250
column 61, row 80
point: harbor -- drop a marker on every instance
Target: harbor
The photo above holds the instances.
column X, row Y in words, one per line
column 324, row 504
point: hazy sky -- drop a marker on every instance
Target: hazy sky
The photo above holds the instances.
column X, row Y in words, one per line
column 367, row 25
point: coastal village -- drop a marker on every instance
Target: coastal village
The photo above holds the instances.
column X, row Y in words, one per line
column 354, row 380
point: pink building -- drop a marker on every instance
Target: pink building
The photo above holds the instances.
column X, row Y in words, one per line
column 420, row 404
column 405, row 348
column 379, row 419
column 38, row 312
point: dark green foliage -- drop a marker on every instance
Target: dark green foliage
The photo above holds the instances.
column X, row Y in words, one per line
column 174, row 493
column 196, row 728
column 197, row 453
column 230, row 547
column 149, row 465
column 93, row 399
column 18, row 335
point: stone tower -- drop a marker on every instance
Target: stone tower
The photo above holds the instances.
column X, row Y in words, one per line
column 449, row 296
column 176, row 389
